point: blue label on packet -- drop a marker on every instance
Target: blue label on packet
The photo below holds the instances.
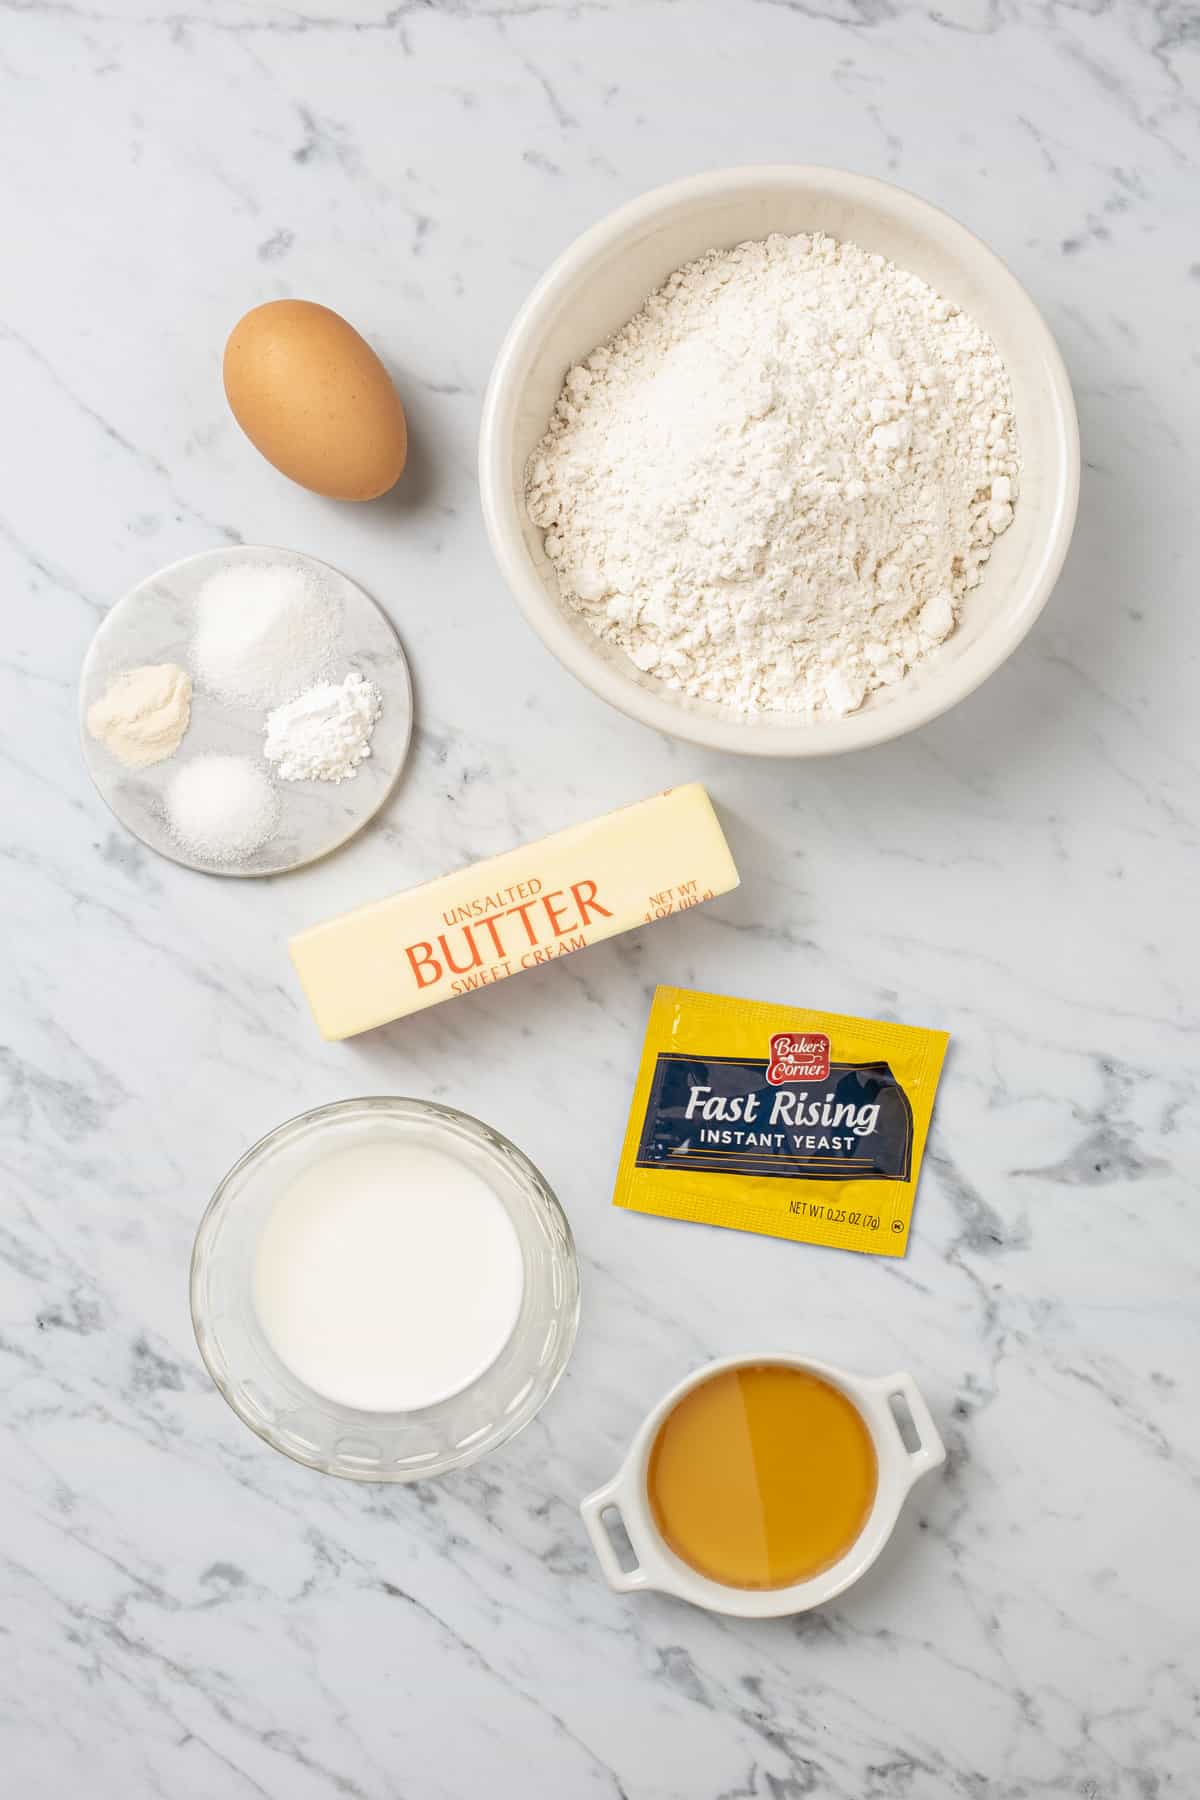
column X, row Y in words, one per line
column 744, row 1116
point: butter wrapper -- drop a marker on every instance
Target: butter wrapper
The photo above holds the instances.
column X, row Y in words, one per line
column 519, row 910
column 776, row 1119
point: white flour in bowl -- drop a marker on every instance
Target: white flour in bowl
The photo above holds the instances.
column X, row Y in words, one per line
column 774, row 486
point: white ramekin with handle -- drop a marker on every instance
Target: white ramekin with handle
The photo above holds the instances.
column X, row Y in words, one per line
column 657, row 1566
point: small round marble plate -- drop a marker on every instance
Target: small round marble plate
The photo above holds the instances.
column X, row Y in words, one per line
column 153, row 624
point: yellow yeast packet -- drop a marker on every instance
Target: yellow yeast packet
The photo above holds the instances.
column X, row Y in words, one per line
column 799, row 1124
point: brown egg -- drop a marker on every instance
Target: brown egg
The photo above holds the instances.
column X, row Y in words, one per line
column 314, row 398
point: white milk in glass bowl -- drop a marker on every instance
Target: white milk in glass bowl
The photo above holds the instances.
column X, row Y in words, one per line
column 385, row 1289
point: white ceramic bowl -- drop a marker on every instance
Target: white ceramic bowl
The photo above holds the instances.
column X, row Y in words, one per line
column 657, row 1564
column 602, row 280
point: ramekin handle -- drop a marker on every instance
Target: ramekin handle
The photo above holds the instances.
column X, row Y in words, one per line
column 592, row 1510
column 930, row 1452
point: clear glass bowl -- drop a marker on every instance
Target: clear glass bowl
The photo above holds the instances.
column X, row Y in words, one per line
column 379, row 1446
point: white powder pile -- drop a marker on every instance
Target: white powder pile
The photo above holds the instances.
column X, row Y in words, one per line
column 142, row 715
column 263, row 632
column 774, row 487
column 325, row 733
column 221, row 807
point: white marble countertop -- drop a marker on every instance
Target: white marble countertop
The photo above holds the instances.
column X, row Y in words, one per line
column 185, row 1613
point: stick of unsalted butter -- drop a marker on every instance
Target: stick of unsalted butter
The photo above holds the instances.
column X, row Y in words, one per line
column 513, row 912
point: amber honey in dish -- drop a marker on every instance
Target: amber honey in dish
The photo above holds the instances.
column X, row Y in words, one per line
column 762, row 1476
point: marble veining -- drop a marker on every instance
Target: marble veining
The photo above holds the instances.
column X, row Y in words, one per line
column 186, row 1614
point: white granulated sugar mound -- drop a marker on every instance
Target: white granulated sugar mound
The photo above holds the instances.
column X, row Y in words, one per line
column 221, row 807
column 325, row 733
column 263, row 632
column 774, row 487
